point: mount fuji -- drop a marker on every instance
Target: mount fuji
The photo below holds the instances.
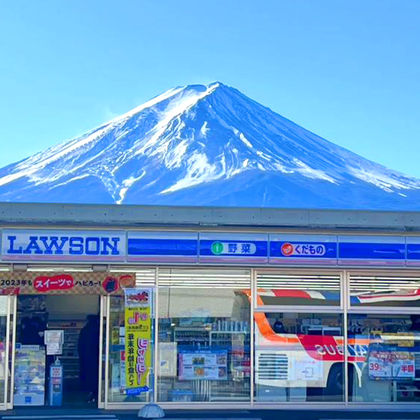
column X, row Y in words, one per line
column 206, row 145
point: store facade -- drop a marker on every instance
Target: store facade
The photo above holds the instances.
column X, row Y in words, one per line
column 212, row 308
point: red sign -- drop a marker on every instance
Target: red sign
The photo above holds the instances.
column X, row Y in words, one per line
column 51, row 283
column 111, row 284
column 287, row 249
column 10, row 291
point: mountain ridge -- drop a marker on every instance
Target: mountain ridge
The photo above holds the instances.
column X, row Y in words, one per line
column 209, row 143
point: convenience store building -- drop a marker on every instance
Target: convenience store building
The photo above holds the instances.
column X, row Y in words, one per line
column 208, row 307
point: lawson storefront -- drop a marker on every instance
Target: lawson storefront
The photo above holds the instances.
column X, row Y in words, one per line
column 208, row 307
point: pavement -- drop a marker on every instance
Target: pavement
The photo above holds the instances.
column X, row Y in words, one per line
column 281, row 414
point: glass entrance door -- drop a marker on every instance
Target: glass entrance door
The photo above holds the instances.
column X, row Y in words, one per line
column 7, row 333
column 116, row 350
column 17, row 352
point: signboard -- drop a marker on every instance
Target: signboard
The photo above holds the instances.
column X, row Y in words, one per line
column 138, row 336
column 372, row 250
column 203, row 364
column 162, row 247
column 63, row 245
column 391, row 363
column 34, row 283
column 313, row 249
column 102, row 246
column 232, row 247
column 54, row 340
column 413, row 251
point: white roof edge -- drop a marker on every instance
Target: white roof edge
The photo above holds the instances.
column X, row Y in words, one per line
column 12, row 214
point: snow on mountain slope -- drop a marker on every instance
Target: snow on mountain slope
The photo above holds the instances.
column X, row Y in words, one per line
column 206, row 145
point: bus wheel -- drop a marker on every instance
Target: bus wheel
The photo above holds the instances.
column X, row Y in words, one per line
column 335, row 383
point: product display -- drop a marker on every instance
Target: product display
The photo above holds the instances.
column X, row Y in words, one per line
column 70, row 355
column 29, row 375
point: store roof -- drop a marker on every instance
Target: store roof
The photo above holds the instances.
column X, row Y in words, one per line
column 54, row 215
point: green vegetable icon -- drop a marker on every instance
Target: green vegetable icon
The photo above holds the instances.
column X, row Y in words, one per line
column 217, row 248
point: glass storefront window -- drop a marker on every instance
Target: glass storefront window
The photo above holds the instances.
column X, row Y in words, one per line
column 276, row 289
column 299, row 357
column 384, row 353
column 117, row 391
column 384, row 291
column 204, row 344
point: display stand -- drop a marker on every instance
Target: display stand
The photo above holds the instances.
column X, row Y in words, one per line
column 29, row 387
column 55, row 388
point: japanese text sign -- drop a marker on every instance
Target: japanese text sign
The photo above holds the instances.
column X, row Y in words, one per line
column 138, row 335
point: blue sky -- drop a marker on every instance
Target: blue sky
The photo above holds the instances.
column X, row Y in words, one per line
column 349, row 71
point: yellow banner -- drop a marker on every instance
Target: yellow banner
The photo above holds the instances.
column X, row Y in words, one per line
column 138, row 335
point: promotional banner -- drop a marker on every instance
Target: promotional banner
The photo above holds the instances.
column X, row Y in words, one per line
column 203, row 364
column 138, row 336
column 392, row 363
column 77, row 283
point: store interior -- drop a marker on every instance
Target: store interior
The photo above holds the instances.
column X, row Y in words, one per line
column 57, row 330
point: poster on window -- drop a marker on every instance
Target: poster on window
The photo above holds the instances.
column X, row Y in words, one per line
column 167, row 359
column 138, row 335
column 391, row 363
column 203, row 364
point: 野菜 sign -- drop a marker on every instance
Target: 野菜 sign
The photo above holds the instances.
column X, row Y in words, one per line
column 233, row 247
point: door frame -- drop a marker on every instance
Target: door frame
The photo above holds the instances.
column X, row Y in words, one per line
column 10, row 347
column 103, row 351
column 9, row 357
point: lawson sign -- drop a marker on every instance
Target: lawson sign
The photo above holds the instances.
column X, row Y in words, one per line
column 209, row 247
column 54, row 245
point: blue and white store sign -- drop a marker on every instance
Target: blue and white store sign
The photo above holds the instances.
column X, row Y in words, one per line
column 208, row 247
column 300, row 249
column 371, row 250
column 234, row 248
column 162, row 247
column 63, row 245
column 413, row 251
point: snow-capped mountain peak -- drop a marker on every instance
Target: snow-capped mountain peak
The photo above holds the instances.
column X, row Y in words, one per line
column 205, row 144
